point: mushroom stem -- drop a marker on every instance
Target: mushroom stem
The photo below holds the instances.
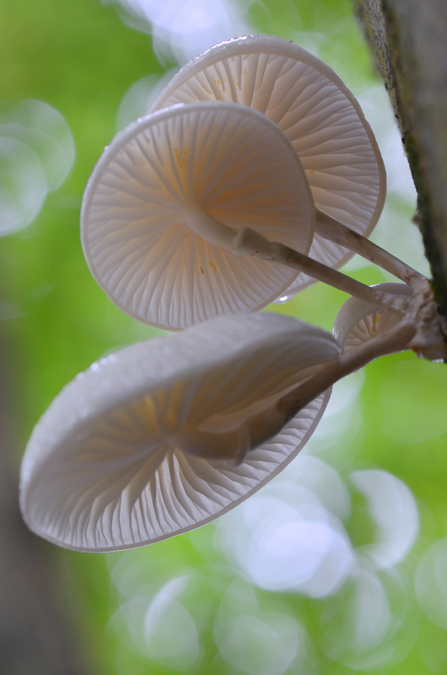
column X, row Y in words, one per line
column 396, row 340
column 234, row 444
column 250, row 242
column 332, row 229
column 210, row 229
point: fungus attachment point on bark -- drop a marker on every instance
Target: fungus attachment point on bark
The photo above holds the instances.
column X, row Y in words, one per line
column 320, row 116
column 131, row 451
column 359, row 322
column 168, row 196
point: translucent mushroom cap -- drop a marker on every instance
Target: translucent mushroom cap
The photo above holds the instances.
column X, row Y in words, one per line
column 319, row 115
column 358, row 322
column 147, row 443
column 147, row 209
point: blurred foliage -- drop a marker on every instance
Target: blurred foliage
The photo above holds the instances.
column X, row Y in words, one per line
column 81, row 58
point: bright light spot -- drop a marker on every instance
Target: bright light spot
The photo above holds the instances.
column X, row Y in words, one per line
column 159, row 624
column 372, row 622
column 139, row 98
column 23, row 187
column 378, row 111
column 312, row 41
column 183, row 29
column 399, row 176
column 44, row 130
column 395, row 231
column 254, row 641
column 36, row 154
column 169, row 628
column 289, row 543
column 260, row 646
column 323, row 481
column 431, row 583
column 194, row 26
column 357, row 622
column 287, row 555
column 392, row 506
column 399, row 235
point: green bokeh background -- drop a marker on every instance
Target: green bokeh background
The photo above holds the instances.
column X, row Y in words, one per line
column 81, row 58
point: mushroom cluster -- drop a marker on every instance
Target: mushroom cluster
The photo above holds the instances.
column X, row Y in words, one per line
column 254, row 173
column 254, row 133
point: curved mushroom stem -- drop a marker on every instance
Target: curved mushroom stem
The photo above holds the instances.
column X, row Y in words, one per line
column 396, row 340
column 250, row 242
column 334, row 231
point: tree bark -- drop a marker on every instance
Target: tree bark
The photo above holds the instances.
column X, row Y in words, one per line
column 409, row 41
column 36, row 637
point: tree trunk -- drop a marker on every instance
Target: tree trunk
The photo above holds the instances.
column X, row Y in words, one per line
column 35, row 634
column 409, row 42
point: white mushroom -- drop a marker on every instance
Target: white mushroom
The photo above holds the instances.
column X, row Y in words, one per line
column 165, row 436
column 358, row 322
column 169, row 195
column 319, row 115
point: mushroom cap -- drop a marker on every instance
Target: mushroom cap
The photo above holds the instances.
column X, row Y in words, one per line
column 319, row 115
column 227, row 161
column 358, row 322
column 103, row 469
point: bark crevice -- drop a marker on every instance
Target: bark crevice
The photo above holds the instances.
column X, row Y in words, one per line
column 408, row 39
